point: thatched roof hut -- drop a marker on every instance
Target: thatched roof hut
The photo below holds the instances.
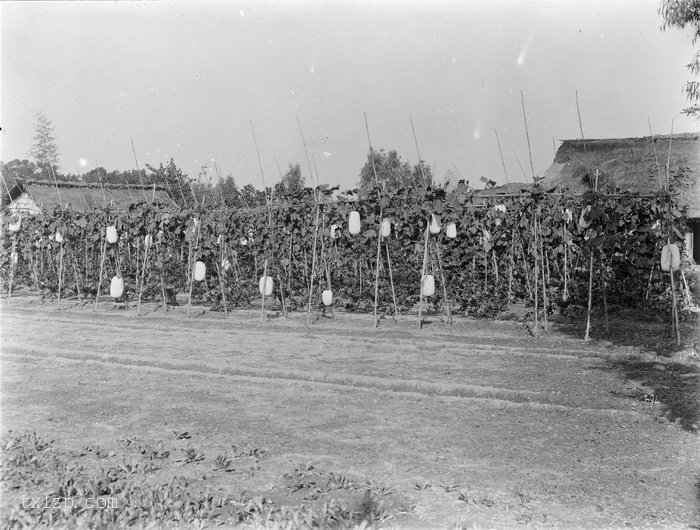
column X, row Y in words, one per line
column 630, row 164
column 32, row 196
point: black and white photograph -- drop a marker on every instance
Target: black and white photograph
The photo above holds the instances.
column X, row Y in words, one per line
column 350, row 264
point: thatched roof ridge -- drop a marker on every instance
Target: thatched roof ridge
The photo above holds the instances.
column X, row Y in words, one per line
column 629, row 164
column 86, row 196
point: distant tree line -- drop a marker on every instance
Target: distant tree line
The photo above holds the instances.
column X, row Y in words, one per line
column 391, row 171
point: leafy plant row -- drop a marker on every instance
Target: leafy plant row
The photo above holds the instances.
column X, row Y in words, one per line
column 511, row 248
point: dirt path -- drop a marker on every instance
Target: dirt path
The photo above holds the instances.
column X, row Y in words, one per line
column 477, row 423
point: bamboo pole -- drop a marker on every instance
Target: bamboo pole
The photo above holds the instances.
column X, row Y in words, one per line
column 503, row 162
column 60, row 276
column 391, row 280
column 264, row 292
column 77, row 280
column 527, row 135
column 586, row 336
column 444, row 283
column 313, row 266
column 138, row 171
column 102, row 264
column 422, row 277
column 143, row 273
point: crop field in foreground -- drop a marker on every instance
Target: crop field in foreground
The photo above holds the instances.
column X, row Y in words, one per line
column 228, row 420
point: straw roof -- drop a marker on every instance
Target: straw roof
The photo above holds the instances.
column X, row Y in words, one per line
column 84, row 196
column 629, row 164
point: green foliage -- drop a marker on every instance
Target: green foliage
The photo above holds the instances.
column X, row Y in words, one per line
column 392, row 173
column 53, row 486
column 501, row 242
column 44, row 151
column 681, row 14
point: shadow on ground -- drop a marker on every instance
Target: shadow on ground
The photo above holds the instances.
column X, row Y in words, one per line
column 656, row 361
column 675, row 386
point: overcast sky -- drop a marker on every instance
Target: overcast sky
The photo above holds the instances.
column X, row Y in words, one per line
column 185, row 79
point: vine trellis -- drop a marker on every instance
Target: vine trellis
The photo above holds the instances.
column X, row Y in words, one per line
column 515, row 247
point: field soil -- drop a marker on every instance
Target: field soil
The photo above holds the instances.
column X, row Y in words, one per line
column 477, row 424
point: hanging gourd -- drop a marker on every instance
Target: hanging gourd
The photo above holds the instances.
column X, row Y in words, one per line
column 434, row 224
column 485, row 238
column 582, row 223
column 148, row 240
column 14, row 258
column 670, row 258
column 266, row 285
column 386, row 227
column 220, row 239
column 568, row 216
column 500, row 208
column 335, row 231
column 200, row 271
column 116, row 288
column 14, row 227
column 226, row 265
column 451, row 230
column 59, row 237
column 428, row 285
column 243, row 241
column 327, row 297
column 112, row 235
column 159, row 236
column 355, row 225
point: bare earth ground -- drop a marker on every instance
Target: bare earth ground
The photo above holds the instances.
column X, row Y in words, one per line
column 477, row 424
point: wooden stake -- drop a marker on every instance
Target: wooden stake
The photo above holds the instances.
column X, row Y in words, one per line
column 264, row 289
column 586, row 337
column 313, row 266
column 221, row 281
column 77, row 280
column 376, row 274
column 143, row 273
column 102, row 265
column 527, row 135
column 422, row 276
column 60, row 277
column 391, row 280
column 444, row 283
column 503, row 162
column 601, row 280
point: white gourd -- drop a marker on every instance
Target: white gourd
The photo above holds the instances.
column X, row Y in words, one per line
column 386, row 227
column 148, row 240
column 500, row 208
column 582, row 223
column 266, row 285
column 675, row 257
column 200, row 271
column 451, row 230
column 434, row 224
column 568, row 216
column 14, row 258
column 220, row 239
column 14, row 227
column 243, row 241
column 670, row 258
column 327, row 297
column 116, row 288
column 355, row 225
column 59, row 237
column 428, row 285
column 112, row 237
column 335, row 231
